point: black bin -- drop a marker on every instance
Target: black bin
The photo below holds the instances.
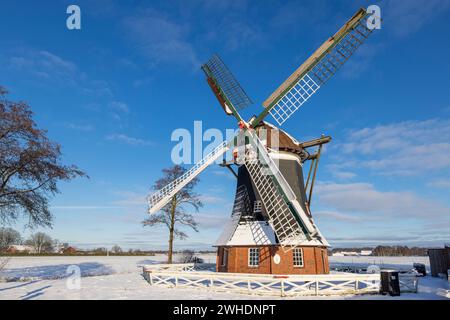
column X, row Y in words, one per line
column 390, row 283
column 420, row 268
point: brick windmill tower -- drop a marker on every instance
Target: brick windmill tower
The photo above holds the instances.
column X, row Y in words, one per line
column 271, row 229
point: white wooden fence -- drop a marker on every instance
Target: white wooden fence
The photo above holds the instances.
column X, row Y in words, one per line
column 188, row 276
column 180, row 276
column 186, row 267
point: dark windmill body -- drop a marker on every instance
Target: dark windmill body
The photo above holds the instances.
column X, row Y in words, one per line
column 271, row 229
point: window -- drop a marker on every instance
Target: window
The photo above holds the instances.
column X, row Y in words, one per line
column 297, row 254
column 253, row 257
column 224, row 257
column 257, row 207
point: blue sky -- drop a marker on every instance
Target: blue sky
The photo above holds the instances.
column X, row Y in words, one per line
column 113, row 92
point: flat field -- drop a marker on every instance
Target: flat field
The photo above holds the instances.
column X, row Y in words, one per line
column 119, row 277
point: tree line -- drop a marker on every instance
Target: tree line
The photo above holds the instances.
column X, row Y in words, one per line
column 388, row 251
column 40, row 242
column 396, row 251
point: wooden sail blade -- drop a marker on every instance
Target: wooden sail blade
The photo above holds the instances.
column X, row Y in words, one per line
column 224, row 85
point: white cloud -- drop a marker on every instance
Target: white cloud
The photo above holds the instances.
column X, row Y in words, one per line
column 119, row 106
column 343, row 175
column 403, row 148
column 161, row 39
column 122, row 138
column 439, row 183
column 416, row 239
column 83, row 207
column 53, row 70
column 208, row 199
column 172, row 37
column 130, row 198
column 223, row 173
column 407, row 17
column 80, row 127
column 364, row 198
column 211, row 221
column 337, row 216
column 362, row 59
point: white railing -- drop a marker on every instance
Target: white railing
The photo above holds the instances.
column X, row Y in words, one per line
column 180, row 267
column 272, row 285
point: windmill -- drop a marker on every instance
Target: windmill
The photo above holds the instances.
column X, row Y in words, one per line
column 271, row 229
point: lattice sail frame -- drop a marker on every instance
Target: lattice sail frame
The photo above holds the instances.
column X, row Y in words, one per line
column 228, row 83
column 161, row 197
column 283, row 106
column 282, row 220
column 290, row 224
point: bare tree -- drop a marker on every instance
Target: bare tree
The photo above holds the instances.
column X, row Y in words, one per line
column 188, row 256
column 8, row 237
column 41, row 242
column 100, row 251
column 3, row 262
column 30, row 165
column 116, row 249
column 174, row 213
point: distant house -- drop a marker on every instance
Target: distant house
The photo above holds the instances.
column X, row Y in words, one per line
column 18, row 248
column 350, row 253
column 69, row 250
column 338, row 254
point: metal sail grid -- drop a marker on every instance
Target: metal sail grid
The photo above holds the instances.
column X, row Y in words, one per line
column 228, row 83
column 327, row 66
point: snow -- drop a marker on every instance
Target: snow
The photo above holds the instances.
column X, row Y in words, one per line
column 120, row 278
column 253, row 233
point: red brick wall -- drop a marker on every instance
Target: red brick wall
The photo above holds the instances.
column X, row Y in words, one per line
column 315, row 260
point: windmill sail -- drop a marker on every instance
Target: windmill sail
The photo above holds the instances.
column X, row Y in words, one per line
column 160, row 198
column 289, row 221
column 225, row 86
column 317, row 69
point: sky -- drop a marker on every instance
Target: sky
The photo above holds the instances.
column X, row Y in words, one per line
column 113, row 92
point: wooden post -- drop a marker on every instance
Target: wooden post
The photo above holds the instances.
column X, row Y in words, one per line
column 316, row 164
column 317, row 287
column 282, row 287
column 416, row 284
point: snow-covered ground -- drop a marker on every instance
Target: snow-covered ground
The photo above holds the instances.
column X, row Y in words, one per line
column 120, row 278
